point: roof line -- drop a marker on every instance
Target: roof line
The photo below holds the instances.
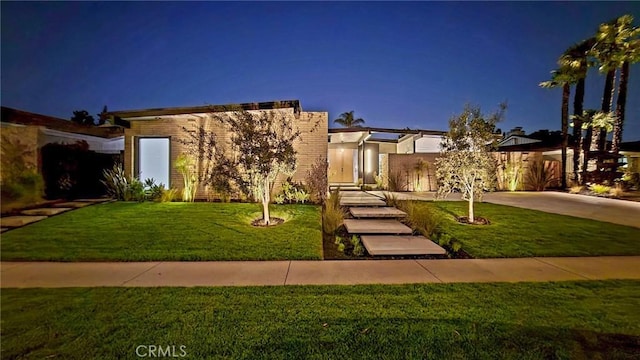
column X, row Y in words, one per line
column 386, row 130
column 282, row 104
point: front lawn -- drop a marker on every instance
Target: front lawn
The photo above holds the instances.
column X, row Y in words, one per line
column 580, row 320
column 126, row 231
column 517, row 232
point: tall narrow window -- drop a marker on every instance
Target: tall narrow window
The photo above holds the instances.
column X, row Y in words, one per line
column 153, row 159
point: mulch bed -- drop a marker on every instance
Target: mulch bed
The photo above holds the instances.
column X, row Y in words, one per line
column 274, row 222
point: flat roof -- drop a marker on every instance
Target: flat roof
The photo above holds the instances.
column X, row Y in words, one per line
column 269, row 105
column 386, row 130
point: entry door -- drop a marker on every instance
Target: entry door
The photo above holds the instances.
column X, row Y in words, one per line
column 340, row 166
column 153, row 160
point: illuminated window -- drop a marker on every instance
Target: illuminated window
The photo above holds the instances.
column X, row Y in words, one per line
column 153, row 159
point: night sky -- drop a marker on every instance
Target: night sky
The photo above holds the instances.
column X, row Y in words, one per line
column 396, row 64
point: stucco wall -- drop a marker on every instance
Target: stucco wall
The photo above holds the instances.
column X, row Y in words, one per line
column 311, row 144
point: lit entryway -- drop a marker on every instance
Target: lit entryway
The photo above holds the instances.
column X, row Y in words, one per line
column 153, row 159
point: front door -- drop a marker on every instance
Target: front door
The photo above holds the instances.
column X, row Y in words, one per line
column 341, row 166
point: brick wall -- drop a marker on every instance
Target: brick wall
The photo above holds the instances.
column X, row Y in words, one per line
column 311, row 144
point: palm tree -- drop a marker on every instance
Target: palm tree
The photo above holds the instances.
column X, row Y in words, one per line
column 628, row 43
column 616, row 44
column 563, row 77
column 347, row 119
column 577, row 57
column 598, row 121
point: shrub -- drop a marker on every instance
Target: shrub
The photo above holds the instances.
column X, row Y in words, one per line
column 135, row 190
column 576, row 189
column 153, row 191
column 379, row 181
column 358, row 248
column 169, row 195
column 185, row 165
column 422, row 219
column 599, row 190
column 333, row 214
column 395, row 182
column 392, row 200
column 292, row 193
column 116, row 182
column 512, row 175
column 317, row 181
column 20, row 181
column 540, row 175
column 616, row 192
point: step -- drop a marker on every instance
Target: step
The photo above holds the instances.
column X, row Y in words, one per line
column 386, row 226
column 345, row 188
column 400, row 245
column 362, row 201
column 377, row 212
column 45, row 211
column 16, row 221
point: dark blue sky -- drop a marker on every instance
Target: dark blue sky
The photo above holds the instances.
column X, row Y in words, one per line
column 395, row 64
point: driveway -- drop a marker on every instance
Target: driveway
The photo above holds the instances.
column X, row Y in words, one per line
column 621, row 212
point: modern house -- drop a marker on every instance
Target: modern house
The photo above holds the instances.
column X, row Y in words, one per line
column 154, row 138
column 364, row 155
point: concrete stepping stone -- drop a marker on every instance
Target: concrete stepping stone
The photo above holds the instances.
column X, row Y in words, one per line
column 96, row 200
column 17, row 221
column 377, row 212
column 386, row 226
column 362, row 202
column 400, row 245
column 72, row 204
column 3, row 230
column 45, row 211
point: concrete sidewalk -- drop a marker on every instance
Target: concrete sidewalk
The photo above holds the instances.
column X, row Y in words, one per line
column 245, row 273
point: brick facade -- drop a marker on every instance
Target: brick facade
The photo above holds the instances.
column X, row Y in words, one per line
column 311, row 144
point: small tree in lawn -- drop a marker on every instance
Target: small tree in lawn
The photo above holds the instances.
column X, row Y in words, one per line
column 465, row 163
column 263, row 145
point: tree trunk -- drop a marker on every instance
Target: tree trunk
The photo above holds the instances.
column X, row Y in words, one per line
column 621, row 103
column 265, row 204
column 565, row 131
column 586, row 146
column 471, row 217
column 607, row 102
column 578, row 101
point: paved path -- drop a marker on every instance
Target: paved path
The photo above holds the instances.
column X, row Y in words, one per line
column 621, row 212
column 244, row 273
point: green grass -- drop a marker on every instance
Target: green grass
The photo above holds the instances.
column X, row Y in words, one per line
column 517, row 232
column 579, row 320
column 125, row 231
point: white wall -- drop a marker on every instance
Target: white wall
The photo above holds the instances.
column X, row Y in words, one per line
column 428, row 144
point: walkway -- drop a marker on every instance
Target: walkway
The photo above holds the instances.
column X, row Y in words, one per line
column 621, row 212
column 245, row 273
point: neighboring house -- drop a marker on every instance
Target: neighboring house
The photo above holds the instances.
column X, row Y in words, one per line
column 153, row 137
column 36, row 131
column 360, row 155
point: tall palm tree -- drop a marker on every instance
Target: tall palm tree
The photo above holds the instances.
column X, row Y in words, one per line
column 616, row 44
column 628, row 45
column 563, row 77
column 577, row 57
column 347, row 119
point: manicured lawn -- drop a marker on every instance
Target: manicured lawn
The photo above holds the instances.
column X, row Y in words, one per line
column 125, row 231
column 517, row 232
column 580, row 320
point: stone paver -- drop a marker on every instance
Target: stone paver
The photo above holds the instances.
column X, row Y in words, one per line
column 377, row 212
column 361, row 202
column 16, row 221
column 350, row 272
column 232, row 273
column 492, row 270
column 598, row 267
column 400, row 245
column 73, row 204
column 367, row 226
column 45, row 211
column 48, row 274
